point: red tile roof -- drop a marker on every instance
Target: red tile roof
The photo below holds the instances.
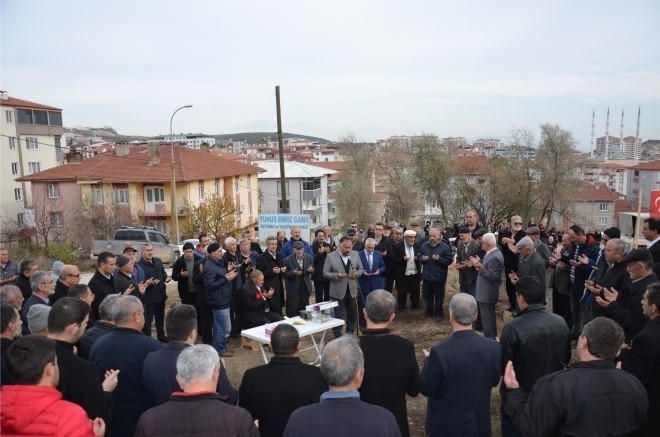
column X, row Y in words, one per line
column 651, row 165
column 190, row 165
column 336, row 165
column 594, row 192
column 474, row 165
column 14, row 102
column 624, row 205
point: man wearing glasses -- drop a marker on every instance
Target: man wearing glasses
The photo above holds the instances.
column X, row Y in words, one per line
column 507, row 237
column 43, row 287
column 69, row 276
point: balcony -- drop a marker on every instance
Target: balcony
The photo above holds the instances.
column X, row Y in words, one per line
column 313, row 212
column 311, row 194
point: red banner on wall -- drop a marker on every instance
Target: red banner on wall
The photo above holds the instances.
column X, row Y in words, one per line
column 654, row 205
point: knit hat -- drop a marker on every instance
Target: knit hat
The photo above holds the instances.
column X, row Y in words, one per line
column 255, row 274
column 410, row 233
column 37, row 317
column 213, row 247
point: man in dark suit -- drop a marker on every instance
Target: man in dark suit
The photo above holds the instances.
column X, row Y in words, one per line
column 273, row 391
column 374, row 274
column 507, row 237
column 458, row 375
column 387, row 357
column 298, row 276
column 651, row 231
column 321, row 248
column 156, row 294
column 270, row 264
column 643, row 357
column 489, row 279
column 467, row 274
column 408, row 270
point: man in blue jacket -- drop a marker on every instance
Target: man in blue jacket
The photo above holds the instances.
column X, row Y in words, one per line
column 218, row 289
column 435, row 256
column 287, row 248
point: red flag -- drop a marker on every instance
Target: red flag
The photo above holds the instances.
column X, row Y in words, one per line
column 654, row 205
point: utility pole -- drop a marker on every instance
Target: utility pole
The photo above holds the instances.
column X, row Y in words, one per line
column 280, row 143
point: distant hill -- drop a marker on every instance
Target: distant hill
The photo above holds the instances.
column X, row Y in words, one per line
column 252, row 137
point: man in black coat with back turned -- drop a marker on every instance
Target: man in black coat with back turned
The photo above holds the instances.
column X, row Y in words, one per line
column 273, row 391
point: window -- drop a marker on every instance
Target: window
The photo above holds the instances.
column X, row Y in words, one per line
column 20, row 218
column 12, row 143
column 200, row 191
column 159, row 225
column 121, row 195
column 250, row 208
column 311, row 185
column 603, row 221
column 236, row 180
column 55, row 118
column 24, row 116
column 9, row 115
column 216, row 188
column 34, row 167
column 32, row 144
column 17, row 194
column 97, row 195
column 14, row 168
column 279, row 188
column 155, row 195
column 279, row 205
column 54, row 191
column 249, row 182
column 56, row 219
column 602, row 207
column 41, row 117
column 157, row 238
column 58, row 142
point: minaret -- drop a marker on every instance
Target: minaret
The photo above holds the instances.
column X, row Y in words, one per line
column 593, row 127
column 621, row 135
column 607, row 135
column 636, row 146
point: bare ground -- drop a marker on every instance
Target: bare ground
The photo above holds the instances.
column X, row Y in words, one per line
column 423, row 332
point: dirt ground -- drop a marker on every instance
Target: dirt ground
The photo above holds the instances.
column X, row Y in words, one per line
column 423, row 332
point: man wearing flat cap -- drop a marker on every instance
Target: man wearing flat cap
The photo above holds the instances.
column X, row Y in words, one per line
column 467, row 247
column 407, row 270
column 625, row 306
column 529, row 264
column 534, row 232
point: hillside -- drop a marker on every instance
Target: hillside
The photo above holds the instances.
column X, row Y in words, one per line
column 252, row 137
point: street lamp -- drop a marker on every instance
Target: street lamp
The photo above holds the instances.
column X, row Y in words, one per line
column 175, row 213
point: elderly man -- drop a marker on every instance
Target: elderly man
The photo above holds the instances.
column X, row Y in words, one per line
column 8, row 268
column 69, row 276
column 489, row 279
column 466, row 248
column 298, row 277
column 610, row 272
column 534, row 232
column 159, row 370
column 459, row 374
column 387, row 357
column 374, row 272
column 609, row 401
column 124, row 280
column 270, row 264
column 342, row 268
column 530, row 263
column 435, row 256
column 341, row 412
column 407, row 270
column 100, row 328
column 197, row 411
column 11, row 295
column 254, row 302
column 43, row 287
column 624, row 306
column 287, row 248
column 643, row 358
column 286, row 377
column 125, row 349
column 536, row 341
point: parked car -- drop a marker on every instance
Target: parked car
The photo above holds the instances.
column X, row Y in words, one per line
column 137, row 237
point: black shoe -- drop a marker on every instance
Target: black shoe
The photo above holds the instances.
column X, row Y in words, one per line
column 164, row 339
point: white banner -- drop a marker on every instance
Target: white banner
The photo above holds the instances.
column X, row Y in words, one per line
column 269, row 224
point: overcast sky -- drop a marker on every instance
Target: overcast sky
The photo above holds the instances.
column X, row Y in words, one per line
column 374, row 68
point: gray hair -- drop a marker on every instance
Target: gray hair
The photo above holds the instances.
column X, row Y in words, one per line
column 513, row 217
column 341, row 360
column 197, row 362
column 604, row 338
column 398, row 230
column 107, row 307
column 38, row 278
column 380, row 306
column 618, row 245
column 243, row 241
column 229, row 240
column 369, row 241
column 125, row 307
column 464, row 308
column 488, row 238
column 270, row 238
column 8, row 292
